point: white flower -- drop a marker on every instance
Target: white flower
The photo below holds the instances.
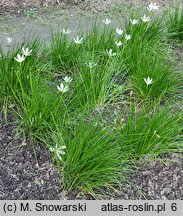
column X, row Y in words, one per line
column 63, row 88
column 58, row 151
column 152, row 7
column 107, row 21
column 20, row 58
column 66, row 31
column 67, row 79
column 119, row 31
column 145, row 18
column 128, row 37
column 26, row 52
column 77, row 40
column 148, row 80
column 133, row 22
column 109, row 52
column 91, row 65
column 119, row 43
column 9, row 40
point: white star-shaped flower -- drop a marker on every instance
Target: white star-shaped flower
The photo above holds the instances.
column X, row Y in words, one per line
column 91, row 65
column 152, row 7
column 145, row 18
column 119, row 31
column 68, row 79
column 26, row 52
column 58, row 151
column 20, row 58
column 148, row 80
column 128, row 37
column 78, row 40
column 110, row 53
column 119, row 43
column 63, row 88
column 133, row 22
column 67, row 31
column 107, row 21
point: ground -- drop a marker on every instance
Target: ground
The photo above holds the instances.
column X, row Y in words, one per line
column 26, row 175
column 19, row 7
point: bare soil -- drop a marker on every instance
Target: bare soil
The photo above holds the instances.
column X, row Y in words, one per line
column 17, row 7
column 23, row 174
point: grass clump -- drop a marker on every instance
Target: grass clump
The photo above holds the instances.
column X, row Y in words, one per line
column 151, row 131
column 63, row 52
column 11, row 70
column 175, row 22
column 92, row 159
